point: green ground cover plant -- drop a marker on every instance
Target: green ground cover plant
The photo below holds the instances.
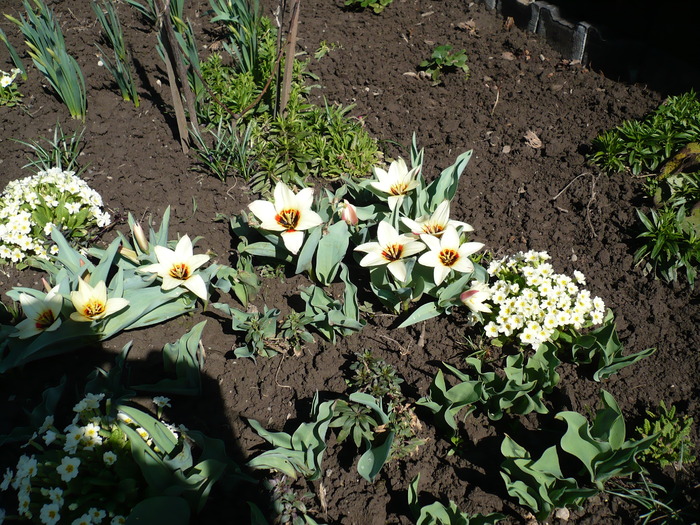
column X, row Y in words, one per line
column 445, row 59
column 663, row 148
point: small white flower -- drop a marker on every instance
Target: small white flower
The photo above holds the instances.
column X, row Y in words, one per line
column 6, row 479
column 289, row 214
column 49, row 514
column 49, row 437
column 97, row 515
column 68, row 469
column 85, row 519
column 118, row 520
column 390, row 249
column 109, row 458
column 161, row 401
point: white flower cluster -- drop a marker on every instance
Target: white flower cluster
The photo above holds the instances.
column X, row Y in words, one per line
column 531, row 302
column 37, row 481
column 60, row 194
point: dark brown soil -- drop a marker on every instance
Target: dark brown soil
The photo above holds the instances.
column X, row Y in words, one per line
column 516, row 196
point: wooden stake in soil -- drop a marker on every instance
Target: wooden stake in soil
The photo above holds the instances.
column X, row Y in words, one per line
column 289, row 58
column 174, row 56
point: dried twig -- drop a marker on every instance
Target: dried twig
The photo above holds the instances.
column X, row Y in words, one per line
column 590, row 201
column 498, row 94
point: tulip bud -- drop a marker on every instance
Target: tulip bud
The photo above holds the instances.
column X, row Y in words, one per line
column 46, row 284
column 140, row 237
column 349, row 213
column 129, row 254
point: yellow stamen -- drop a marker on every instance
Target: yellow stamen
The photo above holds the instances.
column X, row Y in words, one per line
column 433, row 228
column 93, row 308
column 400, row 188
column 180, row 271
column 393, row 252
column 44, row 320
column 288, row 219
column 448, row 257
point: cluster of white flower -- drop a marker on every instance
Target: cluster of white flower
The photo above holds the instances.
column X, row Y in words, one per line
column 531, row 302
column 32, row 206
column 35, row 477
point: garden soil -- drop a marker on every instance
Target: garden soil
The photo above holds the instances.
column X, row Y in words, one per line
column 529, row 118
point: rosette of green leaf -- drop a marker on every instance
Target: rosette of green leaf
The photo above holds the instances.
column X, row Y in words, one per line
column 602, row 346
column 377, row 6
column 601, row 447
column 300, row 453
column 168, row 464
column 48, row 51
column 330, row 316
column 539, row 484
column 671, row 241
column 437, row 513
column 119, row 67
column 184, row 361
column 260, row 330
column 520, row 390
column 445, row 59
column 673, row 445
column 375, row 455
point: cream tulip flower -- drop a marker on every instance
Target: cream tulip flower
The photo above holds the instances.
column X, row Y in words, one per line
column 475, row 298
column 91, row 304
column 177, row 268
column 435, row 223
column 390, row 249
column 448, row 253
column 290, row 213
column 397, row 182
column 42, row 314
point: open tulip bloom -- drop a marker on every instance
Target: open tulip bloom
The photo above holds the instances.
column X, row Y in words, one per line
column 91, row 304
column 436, row 223
column 42, row 314
column 391, row 249
column 177, row 268
column 396, row 182
column 448, row 253
column 290, row 214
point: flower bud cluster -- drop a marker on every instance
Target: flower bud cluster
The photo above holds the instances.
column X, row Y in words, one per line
column 531, row 303
column 61, row 196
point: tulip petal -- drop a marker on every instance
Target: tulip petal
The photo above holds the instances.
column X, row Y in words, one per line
column 439, row 273
column 183, row 249
column 265, row 212
column 196, row 285
column 308, row 219
column 398, row 270
column 293, row 240
column 373, row 259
